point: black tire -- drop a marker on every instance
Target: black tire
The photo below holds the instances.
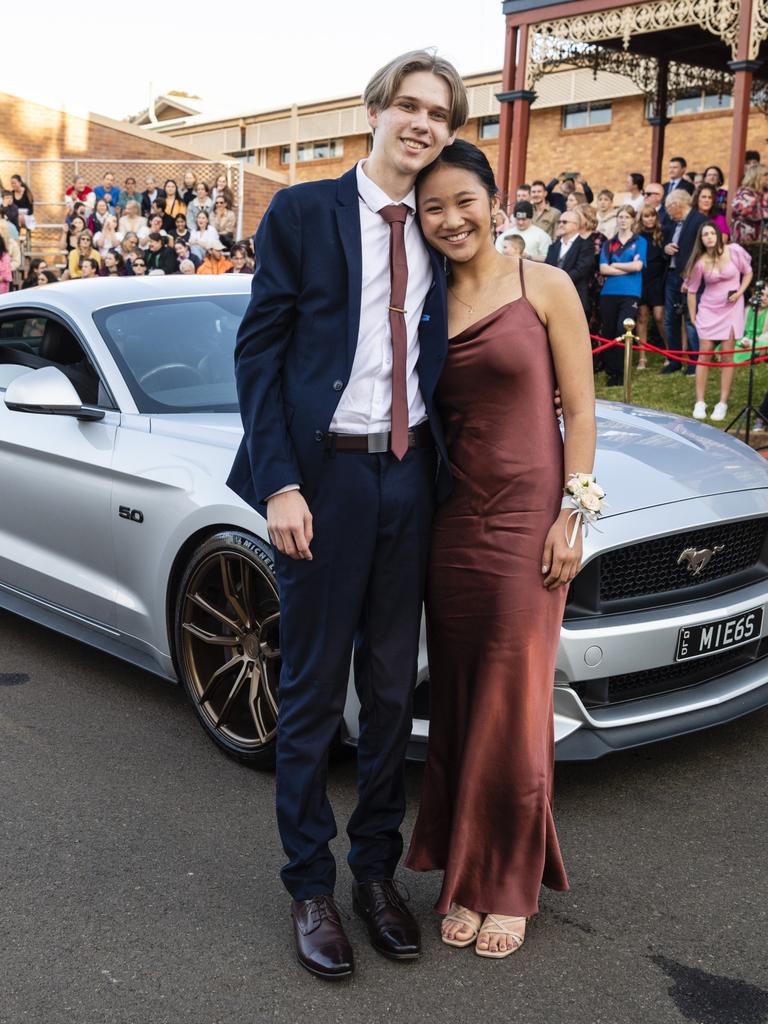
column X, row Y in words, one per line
column 226, row 621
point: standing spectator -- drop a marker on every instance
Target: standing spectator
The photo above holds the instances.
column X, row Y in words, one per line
column 160, row 258
column 514, row 245
column 132, row 219
column 99, row 215
column 751, row 157
column 36, row 266
column 128, row 195
column 149, row 195
column 89, row 267
column 567, row 185
column 203, row 235
column 201, row 203
column 725, row 272
column 705, row 201
column 83, row 251
column 575, row 199
column 183, row 252
column 654, row 196
column 80, row 191
column 239, row 258
column 223, row 220
column 108, row 191
column 181, row 230
column 677, row 178
column 174, row 204
column 588, row 230
column 523, row 193
column 573, row 254
column 635, row 197
column 622, row 259
column 22, row 198
column 715, row 177
column 6, row 275
column 680, row 232
column 606, row 213
column 113, row 265
column 70, row 234
column 109, row 237
column 544, row 215
column 189, row 189
column 214, row 262
column 652, row 295
column 750, row 205
column 130, row 250
column 500, row 223
column 537, row 242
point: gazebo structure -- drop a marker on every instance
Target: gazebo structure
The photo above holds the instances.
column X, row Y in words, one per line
column 665, row 47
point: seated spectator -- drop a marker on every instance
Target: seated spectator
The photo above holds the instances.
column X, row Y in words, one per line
column 750, row 205
column 158, row 209
column 46, row 277
column 113, row 265
column 5, row 268
column 239, row 258
column 187, row 267
column 99, row 215
column 78, row 210
column 130, row 249
column 175, row 206
column 149, row 195
column 622, row 259
column 79, row 191
column 183, row 252
column 189, row 187
column 536, row 241
column 155, row 226
column 11, row 212
column 109, row 237
column 574, row 254
column 714, row 176
column 201, row 202
column 606, row 213
column 544, row 215
column 705, row 201
column 567, row 183
column 159, row 256
column 36, row 266
column 634, row 196
column 203, row 235
column 214, row 262
column 139, row 265
column 512, row 245
column 108, row 191
column 220, row 188
column 132, row 219
column 70, row 234
column 84, row 250
column 89, row 267
column 223, row 220
column 22, row 199
column 128, row 195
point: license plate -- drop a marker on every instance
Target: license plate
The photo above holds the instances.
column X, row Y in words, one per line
column 711, row 637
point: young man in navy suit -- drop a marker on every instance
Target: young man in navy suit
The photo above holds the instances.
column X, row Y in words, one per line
column 337, row 360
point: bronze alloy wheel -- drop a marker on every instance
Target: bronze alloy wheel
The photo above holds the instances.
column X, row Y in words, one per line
column 227, row 629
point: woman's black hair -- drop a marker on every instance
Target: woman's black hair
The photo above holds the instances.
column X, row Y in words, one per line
column 714, row 167
column 463, row 154
column 3, row 246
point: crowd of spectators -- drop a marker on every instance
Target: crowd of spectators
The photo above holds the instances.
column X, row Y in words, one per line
column 661, row 255
column 109, row 231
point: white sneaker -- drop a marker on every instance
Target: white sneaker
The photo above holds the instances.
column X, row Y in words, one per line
column 700, row 411
column 719, row 412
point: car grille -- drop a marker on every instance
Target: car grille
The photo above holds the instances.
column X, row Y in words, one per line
column 667, row 678
column 646, row 574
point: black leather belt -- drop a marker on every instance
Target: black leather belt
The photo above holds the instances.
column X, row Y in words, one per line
column 377, row 444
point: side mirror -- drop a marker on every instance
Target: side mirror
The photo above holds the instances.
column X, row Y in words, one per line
column 50, row 392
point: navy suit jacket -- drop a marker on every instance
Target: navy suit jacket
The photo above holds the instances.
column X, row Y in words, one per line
column 297, row 340
column 580, row 264
column 687, row 239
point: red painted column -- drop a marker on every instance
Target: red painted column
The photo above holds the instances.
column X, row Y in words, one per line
column 521, row 113
column 659, row 121
column 742, row 69
column 505, row 118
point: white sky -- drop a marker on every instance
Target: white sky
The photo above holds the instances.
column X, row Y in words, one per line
column 237, row 55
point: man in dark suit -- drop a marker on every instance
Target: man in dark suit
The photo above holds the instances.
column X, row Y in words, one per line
column 677, row 179
column 573, row 254
column 336, row 367
column 681, row 228
column 149, row 195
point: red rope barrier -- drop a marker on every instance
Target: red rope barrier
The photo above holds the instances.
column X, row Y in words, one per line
column 680, row 355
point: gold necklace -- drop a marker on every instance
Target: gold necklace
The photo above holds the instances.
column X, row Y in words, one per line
column 470, row 309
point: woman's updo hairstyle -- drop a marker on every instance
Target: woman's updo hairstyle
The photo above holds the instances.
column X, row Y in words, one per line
column 463, row 154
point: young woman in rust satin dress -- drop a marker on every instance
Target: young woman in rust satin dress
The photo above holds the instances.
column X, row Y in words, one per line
column 493, row 611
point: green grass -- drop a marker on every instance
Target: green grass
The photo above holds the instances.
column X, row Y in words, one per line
column 675, row 391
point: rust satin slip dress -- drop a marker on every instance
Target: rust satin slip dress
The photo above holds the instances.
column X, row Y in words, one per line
column 485, row 817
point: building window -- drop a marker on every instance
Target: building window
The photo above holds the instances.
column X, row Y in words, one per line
column 489, row 128
column 586, row 115
column 245, row 156
column 328, row 149
column 695, row 101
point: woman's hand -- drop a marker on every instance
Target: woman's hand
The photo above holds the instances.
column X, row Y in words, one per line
column 734, row 297
column 559, row 563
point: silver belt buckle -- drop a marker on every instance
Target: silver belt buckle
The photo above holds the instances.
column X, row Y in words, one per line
column 378, row 443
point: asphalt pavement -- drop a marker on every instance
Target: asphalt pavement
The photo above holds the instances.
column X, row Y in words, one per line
column 139, row 876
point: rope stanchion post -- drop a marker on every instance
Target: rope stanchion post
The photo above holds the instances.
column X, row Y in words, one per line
column 628, row 339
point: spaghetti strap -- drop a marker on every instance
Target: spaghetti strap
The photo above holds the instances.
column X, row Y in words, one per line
column 520, row 262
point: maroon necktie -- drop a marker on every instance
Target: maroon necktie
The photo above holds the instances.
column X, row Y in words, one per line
column 396, row 216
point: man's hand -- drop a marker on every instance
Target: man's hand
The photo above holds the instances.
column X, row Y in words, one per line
column 289, row 522
column 671, row 249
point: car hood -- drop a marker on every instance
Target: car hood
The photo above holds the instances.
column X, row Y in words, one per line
column 644, row 457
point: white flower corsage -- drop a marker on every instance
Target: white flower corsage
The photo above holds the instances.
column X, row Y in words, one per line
column 586, row 498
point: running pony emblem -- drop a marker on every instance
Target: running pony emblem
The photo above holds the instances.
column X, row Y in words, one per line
column 699, row 560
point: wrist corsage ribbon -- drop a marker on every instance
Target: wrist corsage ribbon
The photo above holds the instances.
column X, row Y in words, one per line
column 586, row 499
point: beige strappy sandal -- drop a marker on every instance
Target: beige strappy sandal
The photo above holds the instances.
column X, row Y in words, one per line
column 509, row 926
column 462, row 915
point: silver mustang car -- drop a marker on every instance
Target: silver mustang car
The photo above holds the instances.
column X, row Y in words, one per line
column 118, row 425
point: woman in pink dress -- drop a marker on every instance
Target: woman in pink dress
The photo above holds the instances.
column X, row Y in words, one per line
column 726, row 272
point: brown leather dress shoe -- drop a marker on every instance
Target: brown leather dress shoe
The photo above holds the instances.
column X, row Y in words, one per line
column 392, row 928
column 321, row 945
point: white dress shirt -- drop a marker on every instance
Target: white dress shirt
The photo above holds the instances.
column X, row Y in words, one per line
column 565, row 245
column 366, row 402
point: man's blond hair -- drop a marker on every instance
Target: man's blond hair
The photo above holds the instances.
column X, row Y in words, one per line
column 382, row 88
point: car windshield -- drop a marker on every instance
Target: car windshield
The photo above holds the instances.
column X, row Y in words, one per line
column 176, row 354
